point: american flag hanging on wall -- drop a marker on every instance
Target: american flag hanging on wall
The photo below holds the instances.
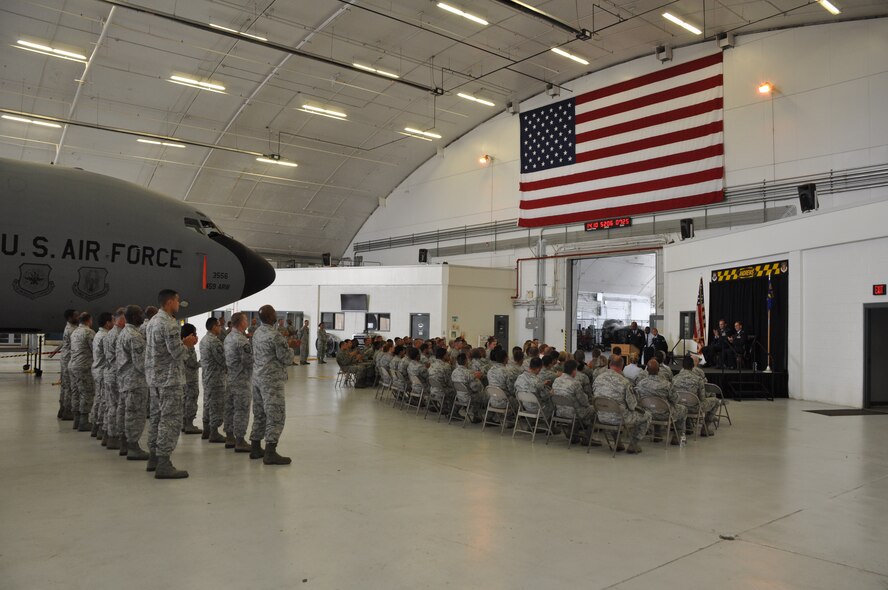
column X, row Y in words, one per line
column 647, row 144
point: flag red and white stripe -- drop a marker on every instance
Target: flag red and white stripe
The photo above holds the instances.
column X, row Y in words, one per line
column 700, row 320
column 647, row 144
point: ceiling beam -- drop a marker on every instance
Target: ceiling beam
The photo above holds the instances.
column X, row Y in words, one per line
column 270, row 45
column 581, row 34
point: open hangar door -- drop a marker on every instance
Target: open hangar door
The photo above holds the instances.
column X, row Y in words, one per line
column 608, row 293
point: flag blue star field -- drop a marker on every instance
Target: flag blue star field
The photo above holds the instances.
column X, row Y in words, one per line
column 647, row 144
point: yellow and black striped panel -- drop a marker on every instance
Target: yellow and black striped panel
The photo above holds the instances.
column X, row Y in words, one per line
column 750, row 272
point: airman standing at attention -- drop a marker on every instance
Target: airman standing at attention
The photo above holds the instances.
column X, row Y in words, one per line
column 192, row 384
column 322, row 344
column 239, row 360
column 133, row 387
column 66, row 410
column 303, row 335
column 80, row 366
column 115, row 409
column 167, row 351
column 97, row 413
column 271, row 356
column 214, row 373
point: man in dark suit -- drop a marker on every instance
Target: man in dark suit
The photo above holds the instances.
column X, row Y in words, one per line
column 636, row 339
column 654, row 342
column 721, row 344
column 740, row 341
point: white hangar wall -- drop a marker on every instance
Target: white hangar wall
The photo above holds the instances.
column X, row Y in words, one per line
column 828, row 113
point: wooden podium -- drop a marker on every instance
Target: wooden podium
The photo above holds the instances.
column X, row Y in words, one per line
column 626, row 350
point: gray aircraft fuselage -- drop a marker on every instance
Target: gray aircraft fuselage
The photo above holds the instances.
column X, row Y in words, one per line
column 75, row 239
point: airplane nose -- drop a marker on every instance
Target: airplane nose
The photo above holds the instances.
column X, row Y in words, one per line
column 258, row 273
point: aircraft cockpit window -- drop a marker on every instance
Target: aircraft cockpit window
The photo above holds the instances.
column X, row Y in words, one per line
column 209, row 227
column 193, row 224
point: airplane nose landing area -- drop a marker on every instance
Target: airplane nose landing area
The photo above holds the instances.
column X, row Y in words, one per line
column 258, row 273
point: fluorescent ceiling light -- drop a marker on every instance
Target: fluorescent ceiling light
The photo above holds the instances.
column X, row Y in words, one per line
column 563, row 53
column 423, row 133
column 212, row 87
column 829, row 7
column 462, row 13
column 416, row 136
column 278, row 162
column 325, row 112
column 375, row 71
column 32, row 121
column 236, row 32
column 475, row 99
column 50, row 51
column 682, row 24
column 164, row 143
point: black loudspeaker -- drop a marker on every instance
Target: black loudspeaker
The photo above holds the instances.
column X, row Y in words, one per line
column 325, row 258
column 423, row 255
column 687, row 228
column 359, row 261
column 808, row 197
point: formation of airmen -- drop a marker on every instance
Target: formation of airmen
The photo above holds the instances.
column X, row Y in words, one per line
column 561, row 385
column 142, row 366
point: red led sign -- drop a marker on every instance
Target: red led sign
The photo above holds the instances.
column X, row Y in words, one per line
column 879, row 289
column 613, row 223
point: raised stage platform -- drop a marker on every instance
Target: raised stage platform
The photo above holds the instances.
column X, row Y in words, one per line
column 746, row 383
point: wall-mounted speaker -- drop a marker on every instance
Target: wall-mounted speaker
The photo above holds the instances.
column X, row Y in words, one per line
column 326, row 259
column 808, row 197
column 687, row 228
column 423, row 255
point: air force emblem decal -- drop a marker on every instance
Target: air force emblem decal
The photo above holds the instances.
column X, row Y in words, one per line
column 91, row 283
column 33, row 281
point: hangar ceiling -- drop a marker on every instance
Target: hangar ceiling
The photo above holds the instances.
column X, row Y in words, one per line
column 315, row 56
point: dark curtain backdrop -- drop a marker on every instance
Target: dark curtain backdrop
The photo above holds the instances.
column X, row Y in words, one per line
column 746, row 300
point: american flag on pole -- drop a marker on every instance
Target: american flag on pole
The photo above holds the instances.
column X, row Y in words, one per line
column 647, row 144
column 700, row 320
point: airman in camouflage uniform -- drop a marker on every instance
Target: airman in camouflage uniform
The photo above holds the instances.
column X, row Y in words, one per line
column 66, row 410
column 613, row 385
column 477, row 397
column 417, row 369
column 688, row 381
column 80, row 367
column 271, row 356
column 239, row 361
column 97, row 414
column 498, row 376
column 115, row 407
column 322, row 344
column 352, row 362
column 480, row 363
column 214, row 373
column 129, row 361
column 304, row 337
column 569, row 387
column 515, row 369
column 651, row 384
column 192, row 385
column 440, row 382
column 167, row 351
column 529, row 382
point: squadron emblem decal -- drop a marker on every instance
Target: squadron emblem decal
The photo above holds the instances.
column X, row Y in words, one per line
column 91, row 283
column 33, row 281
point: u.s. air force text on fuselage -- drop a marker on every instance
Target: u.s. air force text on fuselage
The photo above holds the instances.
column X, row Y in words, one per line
column 87, row 250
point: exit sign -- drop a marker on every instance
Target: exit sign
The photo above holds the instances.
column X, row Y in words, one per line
column 879, row 289
column 612, row 223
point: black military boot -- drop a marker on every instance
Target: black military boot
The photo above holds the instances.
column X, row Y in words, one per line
column 256, row 450
column 215, row 436
column 124, row 449
column 188, row 427
column 95, row 430
column 230, row 441
column 166, row 470
column 135, row 453
column 104, row 438
column 241, row 445
column 67, row 415
column 113, row 443
column 633, row 449
column 76, row 425
column 61, row 411
column 152, row 462
column 205, row 434
column 272, row 458
column 84, row 425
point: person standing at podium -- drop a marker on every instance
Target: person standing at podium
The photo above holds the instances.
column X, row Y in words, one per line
column 636, row 338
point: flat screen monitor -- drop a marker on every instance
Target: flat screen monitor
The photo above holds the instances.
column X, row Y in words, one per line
column 353, row 302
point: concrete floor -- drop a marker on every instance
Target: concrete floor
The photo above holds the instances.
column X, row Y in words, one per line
column 377, row 498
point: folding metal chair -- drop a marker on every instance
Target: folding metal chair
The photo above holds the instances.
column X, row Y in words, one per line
column 344, row 378
column 463, row 399
column 532, row 418
column 497, row 405
column 605, row 405
column 417, row 392
column 695, row 410
column 437, row 397
column 723, row 404
column 657, row 407
column 385, row 382
column 564, row 407
column 399, row 388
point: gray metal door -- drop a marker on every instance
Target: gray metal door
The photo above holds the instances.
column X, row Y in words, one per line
column 419, row 325
column 501, row 330
column 875, row 370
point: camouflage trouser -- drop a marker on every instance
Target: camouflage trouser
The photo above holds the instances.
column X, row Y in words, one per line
column 112, row 405
column 679, row 417
column 121, row 409
column 189, row 402
column 710, row 408
column 213, row 405
column 303, row 351
column 269, row 411
column 477, row 401
column 83, row 390
column 65, row 386
column 638, row 425
column 97, row 413
column 166, row 419
column 239, row 394
column 134, row 414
